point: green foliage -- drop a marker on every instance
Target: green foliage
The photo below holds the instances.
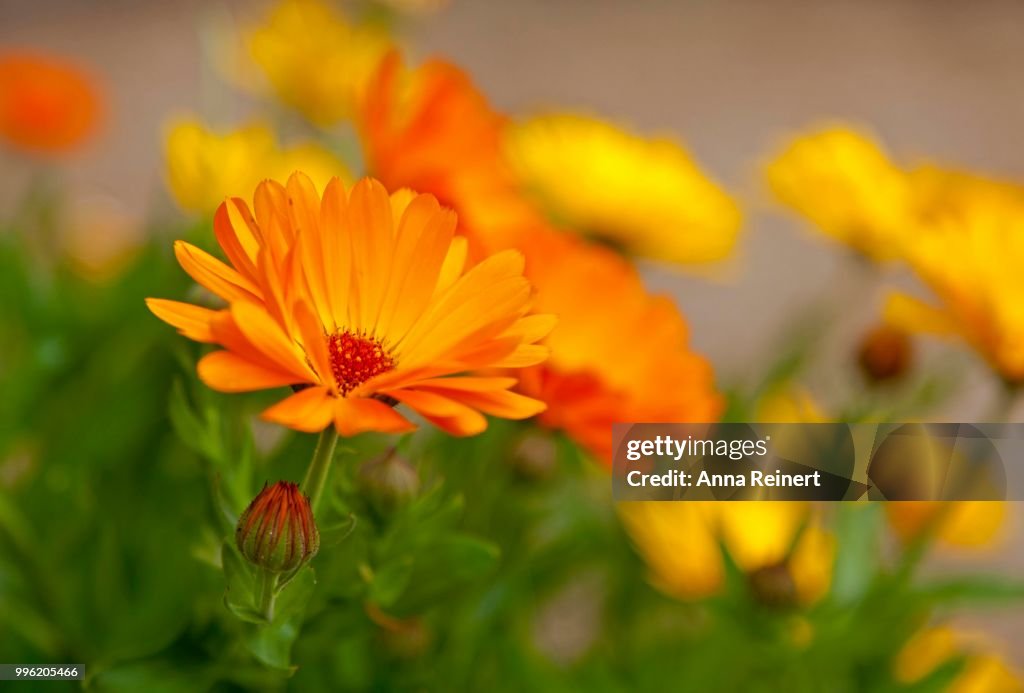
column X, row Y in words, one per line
column 122, row 478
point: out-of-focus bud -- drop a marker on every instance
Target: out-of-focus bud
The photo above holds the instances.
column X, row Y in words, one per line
column 277, row 531
column 885, row 354
column 389, row 481
column 774, row 586
column 533, row 457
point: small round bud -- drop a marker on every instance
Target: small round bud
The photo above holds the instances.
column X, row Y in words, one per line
column 389, row 481
column 277, row 531
column 533, row 456
column 773, row 586
column 885, row 354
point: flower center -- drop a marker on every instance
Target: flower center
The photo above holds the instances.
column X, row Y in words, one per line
column 355, row 358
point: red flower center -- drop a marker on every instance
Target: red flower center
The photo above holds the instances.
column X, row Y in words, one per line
column 356, row 358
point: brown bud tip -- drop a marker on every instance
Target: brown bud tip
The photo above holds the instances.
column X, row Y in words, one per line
column 277, row 531
column 773, row 586
column 885, row 353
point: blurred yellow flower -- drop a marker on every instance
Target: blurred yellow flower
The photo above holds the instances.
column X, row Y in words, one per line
column 204, row 166
column 965, row 524
column 681, row 543
column 645, row 196
column 100, row 236
column 315, row 60
column 931, row 647
column 842, row 182
column 789, row 405
column 943, row 193
column 973, row 261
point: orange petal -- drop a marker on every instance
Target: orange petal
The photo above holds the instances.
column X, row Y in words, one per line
column 314, row 343
column 308, row 410
column 507, row 405
column 447, row 414
column 454, row 264
column 224, row 230
column 424, row 235
column 523, row 356
column 191, row 321
column 213, row 274
column 468, row 383
column 493, row 287
column 372, row 238
column 354, row 415
column 336, row 251
column 269, row 338
column 228, row 372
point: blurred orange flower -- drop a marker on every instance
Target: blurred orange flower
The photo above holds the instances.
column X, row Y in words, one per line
column 618, row 353
column 47, row 105
column 360, row 301
column 431, row 130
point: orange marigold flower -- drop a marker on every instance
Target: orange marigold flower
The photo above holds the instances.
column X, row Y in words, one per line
column 360, row 301
column 430, row 129
column 46, row 105
column 618, row 353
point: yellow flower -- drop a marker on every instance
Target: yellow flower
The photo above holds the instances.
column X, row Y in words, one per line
column 315, row 60
column 842, row 182
column 646, row 196
column 100, row 237
column 943, row 193
column 204, row 167
column 789, row 405
column 681, row 543
column 963, row 524
column 973, row 261
column 931, row 647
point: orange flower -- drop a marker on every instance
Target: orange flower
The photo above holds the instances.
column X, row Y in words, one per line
column 360, row 301
column 618, row 353
column 46, row 105
column 429, row 129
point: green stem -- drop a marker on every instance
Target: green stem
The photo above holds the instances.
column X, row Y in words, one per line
column 268, row 593
column 316, row 475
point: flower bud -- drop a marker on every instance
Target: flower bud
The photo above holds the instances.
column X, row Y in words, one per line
column 773, row 586
column 389, row 481
column 277, row 531
column 885, row 353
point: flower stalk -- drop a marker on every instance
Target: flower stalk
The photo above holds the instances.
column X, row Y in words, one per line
column 320, row 466
column 268, row 594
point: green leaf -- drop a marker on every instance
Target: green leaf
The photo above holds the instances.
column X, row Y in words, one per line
column 335, row 534
column 974, row 591
column 272, row 643
column 390, row 580
column 240, row 595
column 858, row 532
column 446, row 567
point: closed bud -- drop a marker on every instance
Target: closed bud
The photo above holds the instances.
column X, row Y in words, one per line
column 885, row 354
column 773, row 586
column 277, row 531
column 389, row 481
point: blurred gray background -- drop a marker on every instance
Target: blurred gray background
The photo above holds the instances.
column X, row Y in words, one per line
column 935, row 79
